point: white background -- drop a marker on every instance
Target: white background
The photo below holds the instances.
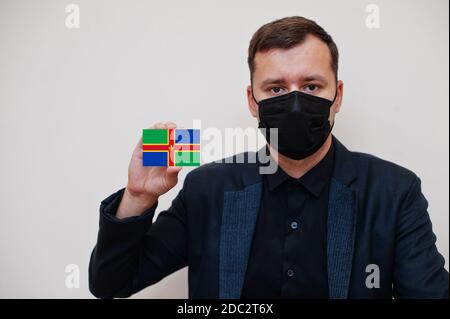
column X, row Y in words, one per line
column 73, row 103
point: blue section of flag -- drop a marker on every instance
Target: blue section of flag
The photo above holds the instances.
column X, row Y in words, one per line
column 154, row 158
column 187, row 136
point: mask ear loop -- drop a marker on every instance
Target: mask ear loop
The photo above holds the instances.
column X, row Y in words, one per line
column 267, row 131
column 251, row 87
column 335, row 96
column 334, row 100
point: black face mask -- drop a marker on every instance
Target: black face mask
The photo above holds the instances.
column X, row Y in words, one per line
column 301, row 120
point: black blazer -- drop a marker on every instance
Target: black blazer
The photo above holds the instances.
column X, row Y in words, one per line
column 377, row 215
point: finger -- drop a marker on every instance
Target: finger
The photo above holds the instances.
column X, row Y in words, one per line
column 139, row 143
column 159, row 126
column 174, row 170
column 170, row 125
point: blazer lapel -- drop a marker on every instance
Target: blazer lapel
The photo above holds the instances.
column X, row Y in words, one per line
column 340, row 238
column 341, row 225
column 240, row 211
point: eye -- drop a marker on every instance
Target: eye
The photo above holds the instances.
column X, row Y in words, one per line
column 311, row 88
column 276, row 90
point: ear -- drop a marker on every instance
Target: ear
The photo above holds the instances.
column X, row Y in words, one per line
column 252, row 106
column 339, row 97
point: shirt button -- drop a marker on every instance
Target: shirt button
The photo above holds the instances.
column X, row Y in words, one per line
column 290, row 272
column 294, row 225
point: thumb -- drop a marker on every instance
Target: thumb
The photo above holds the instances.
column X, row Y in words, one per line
column 173, row 170
column 172, row 174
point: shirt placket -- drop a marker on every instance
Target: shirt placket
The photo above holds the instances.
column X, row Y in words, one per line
column 295, row 201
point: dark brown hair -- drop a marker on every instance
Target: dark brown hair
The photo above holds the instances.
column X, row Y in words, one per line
column 286, row 33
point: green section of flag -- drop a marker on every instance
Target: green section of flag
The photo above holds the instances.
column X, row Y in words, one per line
column 187, row 158
column 155, row 136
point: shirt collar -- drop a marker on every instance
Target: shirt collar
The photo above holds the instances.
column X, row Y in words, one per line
column 314, row 180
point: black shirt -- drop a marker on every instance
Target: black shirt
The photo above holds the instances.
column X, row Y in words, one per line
column 288, row 258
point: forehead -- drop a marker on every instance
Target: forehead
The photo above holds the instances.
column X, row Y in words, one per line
column 311, row 56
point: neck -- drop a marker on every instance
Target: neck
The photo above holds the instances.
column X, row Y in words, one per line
column 298, row 168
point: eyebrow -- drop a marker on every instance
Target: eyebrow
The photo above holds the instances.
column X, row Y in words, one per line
column 272, row 81
column 313, row 77
column 316, row 77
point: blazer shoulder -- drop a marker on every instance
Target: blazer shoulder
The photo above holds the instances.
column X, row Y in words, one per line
column 384, row 170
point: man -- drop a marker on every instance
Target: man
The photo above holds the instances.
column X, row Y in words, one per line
column 329, row 223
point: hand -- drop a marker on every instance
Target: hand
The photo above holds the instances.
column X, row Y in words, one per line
column 146, row 183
